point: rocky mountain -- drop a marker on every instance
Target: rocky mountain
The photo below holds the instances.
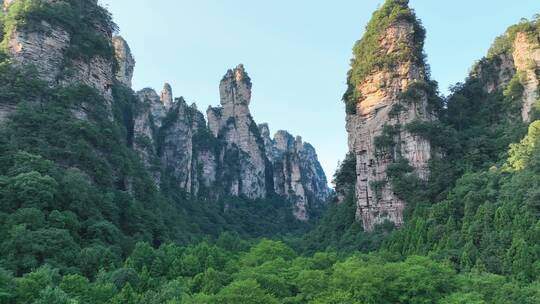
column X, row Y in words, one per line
column 515, row 56
column 393, row 111
column 384, row 97
column 230, row 155
column 225, row 157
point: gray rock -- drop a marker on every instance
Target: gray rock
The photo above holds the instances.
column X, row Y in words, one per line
column 125, row 61
column 232, row 123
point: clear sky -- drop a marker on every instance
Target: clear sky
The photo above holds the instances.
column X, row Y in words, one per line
column 297, row 52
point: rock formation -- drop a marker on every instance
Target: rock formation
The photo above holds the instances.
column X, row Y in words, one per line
column 386, row 99
column 226, row 157
column 230, row 155
column 232, row 123
column 125, row 61
column 146, row 120
column 46, row 48
column 521, row 59
column 297, row 173
column 190, row 164
column 166, row 96
column 526, row 54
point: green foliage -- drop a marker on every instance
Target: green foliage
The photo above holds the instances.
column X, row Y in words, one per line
column 82, row 221
column 74, row 195
column 368, row 55
column 345, row 176
column 386, row 141
column 220, row 275
column 83, row 20
column 489, row 221
column 504, row 44
column 340, row 230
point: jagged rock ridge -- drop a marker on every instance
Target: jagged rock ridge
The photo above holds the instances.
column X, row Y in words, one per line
column 230, row 155
column 296, row 171
column 225, row 157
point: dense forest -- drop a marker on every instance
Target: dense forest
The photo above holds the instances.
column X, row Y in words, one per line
column 82, row 221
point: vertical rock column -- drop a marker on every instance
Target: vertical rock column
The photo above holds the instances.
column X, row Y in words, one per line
column 297, row 173
column 125, row 61
column 526, row 54
column 381, row 113
column 244, row 155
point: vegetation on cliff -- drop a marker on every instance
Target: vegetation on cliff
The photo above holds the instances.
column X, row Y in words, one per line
column 479, row 211
column 369, row 55
column 82, row 19
column 83, row 222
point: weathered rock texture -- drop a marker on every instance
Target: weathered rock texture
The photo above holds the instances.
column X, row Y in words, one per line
column 125, row 61
column 230, row 155
column 146, row 120
column 380, row 95
column 297, row 173
column 45, row 47
column 189, row 163
column 526, row 53
column 232, row 123
column 521, row 60
column 226, row 157
column 166, row 96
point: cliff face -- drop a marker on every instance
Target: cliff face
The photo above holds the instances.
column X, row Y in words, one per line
column 516, row 54
column 526, row 55
column 230, row 155
column 297, row 173
column 190, row 164
column 227, row 156
column 386, row 99
column 58, row 50
column 147, row 118
column 125, row 61
column 232, row 123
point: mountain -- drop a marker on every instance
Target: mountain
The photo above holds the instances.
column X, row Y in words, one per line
column 88, row 166
column 388, row 89
column 113, row 196
column 172, row 139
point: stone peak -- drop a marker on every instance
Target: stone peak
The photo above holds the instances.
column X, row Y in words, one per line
column 235, row 87
column 125, row 60
column 264, row 129
column 166, row 96
column 120, row 39
column 238, row 74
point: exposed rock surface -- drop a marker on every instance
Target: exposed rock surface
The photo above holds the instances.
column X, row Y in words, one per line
column 189, row 163
column 526, row 53
column 43, row 49
column 232, row 123
column 45, row 46
column 166, row 96
column 229, row 156
column 125, row 61
column 521, row 60
column 380, row 93
column 297, row 172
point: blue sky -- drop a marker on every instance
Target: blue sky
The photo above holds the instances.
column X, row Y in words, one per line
column 297, row 52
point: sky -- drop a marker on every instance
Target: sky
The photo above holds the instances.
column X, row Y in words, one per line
column 296, row 52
